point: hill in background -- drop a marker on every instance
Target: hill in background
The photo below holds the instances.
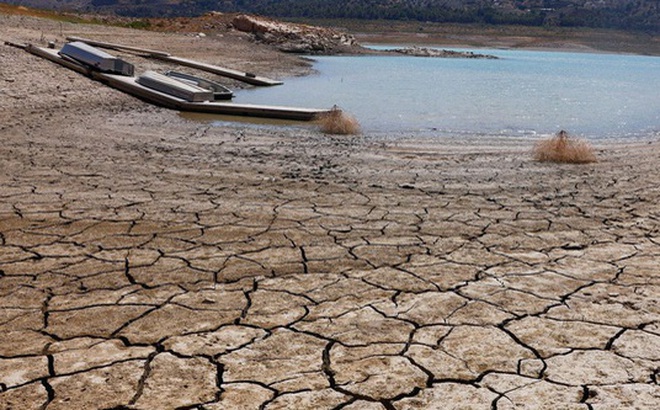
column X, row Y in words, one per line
column 641, row 15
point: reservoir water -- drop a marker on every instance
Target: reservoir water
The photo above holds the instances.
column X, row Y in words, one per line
column 523, row 93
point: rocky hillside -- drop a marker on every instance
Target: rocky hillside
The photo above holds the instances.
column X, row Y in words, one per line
column 621, row 14
column 295, row 38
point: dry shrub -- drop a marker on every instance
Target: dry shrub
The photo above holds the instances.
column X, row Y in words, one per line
column 563, row 149
column 337, row 121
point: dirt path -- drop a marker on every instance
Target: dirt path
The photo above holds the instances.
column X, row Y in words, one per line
column 150, row 262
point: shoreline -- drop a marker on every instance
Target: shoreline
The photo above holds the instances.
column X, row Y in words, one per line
column 286, row 66
column 465, row 46
column 506, row 37
column 438, row 122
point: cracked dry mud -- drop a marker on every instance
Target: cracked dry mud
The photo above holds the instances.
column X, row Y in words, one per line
column 151, row 262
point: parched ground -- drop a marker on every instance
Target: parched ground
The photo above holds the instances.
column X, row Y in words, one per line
column 152, row 262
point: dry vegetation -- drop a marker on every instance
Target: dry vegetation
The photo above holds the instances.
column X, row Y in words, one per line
column 563, row 149
column 337, row 121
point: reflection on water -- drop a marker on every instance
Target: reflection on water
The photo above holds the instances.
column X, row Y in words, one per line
column 522, row 93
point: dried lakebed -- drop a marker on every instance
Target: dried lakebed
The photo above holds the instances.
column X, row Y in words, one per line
column 148, row 262
column 230, row 276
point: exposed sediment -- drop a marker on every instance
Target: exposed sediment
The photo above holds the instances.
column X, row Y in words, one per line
column 439, row 53
column 151, row 262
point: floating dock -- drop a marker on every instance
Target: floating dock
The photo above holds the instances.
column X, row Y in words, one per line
column 248, row 78
column 130, row 85
column 224, row 72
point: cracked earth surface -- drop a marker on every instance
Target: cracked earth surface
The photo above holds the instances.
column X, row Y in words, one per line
column 151, row 262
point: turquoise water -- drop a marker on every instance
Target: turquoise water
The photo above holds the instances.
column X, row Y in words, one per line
column 524, row 93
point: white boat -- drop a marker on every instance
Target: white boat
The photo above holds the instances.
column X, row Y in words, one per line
column 174, row 87
column 220, row 92
column 96, row 59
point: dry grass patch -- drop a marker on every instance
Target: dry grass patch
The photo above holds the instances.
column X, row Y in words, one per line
column 337, row 121
column 563, row 149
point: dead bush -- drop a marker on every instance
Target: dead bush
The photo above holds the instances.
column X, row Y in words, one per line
column 337, row 121
column 563, row 149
